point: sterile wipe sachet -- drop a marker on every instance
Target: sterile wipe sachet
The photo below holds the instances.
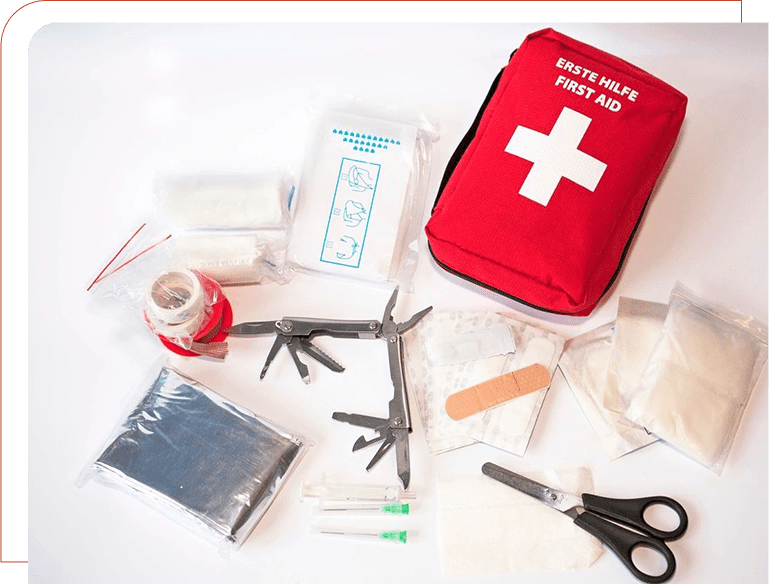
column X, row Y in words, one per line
column 636, row 332
column 489, row 528
column 584, row 364
column 352, row 195
column 699, row 378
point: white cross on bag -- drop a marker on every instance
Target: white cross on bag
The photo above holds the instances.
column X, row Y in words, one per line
column 556, row 156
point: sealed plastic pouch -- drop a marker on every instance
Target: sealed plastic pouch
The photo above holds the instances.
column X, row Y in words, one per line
column 360, row 202
column 226, row 202
column 697, row 383
column 584, row 364
column 636, row 332
column 202, row 460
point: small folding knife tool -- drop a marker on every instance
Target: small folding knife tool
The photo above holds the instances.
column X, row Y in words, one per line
column 296, row 335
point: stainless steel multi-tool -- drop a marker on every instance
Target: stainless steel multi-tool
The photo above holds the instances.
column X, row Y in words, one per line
column 296, row 335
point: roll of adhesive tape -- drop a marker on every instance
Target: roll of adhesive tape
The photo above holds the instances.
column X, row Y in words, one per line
column 176, row 303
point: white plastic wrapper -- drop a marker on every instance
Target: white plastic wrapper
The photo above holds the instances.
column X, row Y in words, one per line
column 360, row 202
column 233, row 258
column 697, row 383
column 508, row 426
column 231, row 202
column 488, row 528
column 636, row 332
column 234, row 228
column 584, row 364
column 200, row 459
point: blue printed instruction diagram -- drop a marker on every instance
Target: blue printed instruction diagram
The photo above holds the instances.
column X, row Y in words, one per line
column 350, row 214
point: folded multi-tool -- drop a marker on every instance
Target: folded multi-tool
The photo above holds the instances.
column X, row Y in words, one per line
column 296, row 335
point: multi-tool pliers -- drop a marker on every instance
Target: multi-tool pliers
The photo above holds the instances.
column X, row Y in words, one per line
column 297, row 334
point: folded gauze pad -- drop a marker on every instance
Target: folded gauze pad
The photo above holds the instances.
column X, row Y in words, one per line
column 488, row 528
column 699, row 377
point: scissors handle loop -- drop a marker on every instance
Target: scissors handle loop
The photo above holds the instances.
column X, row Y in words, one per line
column 630, row 512
column 622, row 542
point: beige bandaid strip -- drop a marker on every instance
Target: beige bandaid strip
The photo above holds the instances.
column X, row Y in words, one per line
column 496, row 391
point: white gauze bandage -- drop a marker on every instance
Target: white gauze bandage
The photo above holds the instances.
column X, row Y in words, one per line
column 488, row 528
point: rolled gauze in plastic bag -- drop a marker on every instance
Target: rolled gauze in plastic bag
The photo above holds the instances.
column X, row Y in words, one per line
column 697, row 383
column 245, row 202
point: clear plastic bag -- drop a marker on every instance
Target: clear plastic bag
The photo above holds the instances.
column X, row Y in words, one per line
column 149, row 282
column 636, row 332
column 508, row 426
column 361, row 199
column 584, row 364
column 200, row 459
column 238, row 202
column 699, row 377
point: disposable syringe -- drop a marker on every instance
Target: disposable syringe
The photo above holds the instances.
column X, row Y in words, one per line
column 324, row 491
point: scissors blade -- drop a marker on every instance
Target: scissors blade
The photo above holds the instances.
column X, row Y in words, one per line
column 252, row 329
column 361, row 442
column 563, row 502
column 388, row 442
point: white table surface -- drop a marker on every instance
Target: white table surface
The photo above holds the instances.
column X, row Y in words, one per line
column 112, row 106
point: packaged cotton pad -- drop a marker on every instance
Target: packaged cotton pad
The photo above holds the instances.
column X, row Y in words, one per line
column 699, row 377
column 636, row 332
column 584, row 364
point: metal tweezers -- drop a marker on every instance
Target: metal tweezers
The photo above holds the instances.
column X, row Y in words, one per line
column 296, row 335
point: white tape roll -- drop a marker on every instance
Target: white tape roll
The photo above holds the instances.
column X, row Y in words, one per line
column 175, row 303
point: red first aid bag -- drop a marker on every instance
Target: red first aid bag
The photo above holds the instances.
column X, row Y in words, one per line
column 545, row 192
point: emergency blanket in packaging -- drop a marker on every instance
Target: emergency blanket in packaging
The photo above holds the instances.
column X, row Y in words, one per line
column 543, row 195
column 209, row 464
column 361, row 198
column 699, row 377
column 452, row 351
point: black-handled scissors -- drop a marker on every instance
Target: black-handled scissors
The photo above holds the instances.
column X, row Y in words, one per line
column 591, row 513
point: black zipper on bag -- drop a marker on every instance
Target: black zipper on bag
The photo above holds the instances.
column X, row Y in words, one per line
column 451, row 167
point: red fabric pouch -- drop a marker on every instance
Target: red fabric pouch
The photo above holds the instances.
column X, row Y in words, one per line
column 542, row 197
